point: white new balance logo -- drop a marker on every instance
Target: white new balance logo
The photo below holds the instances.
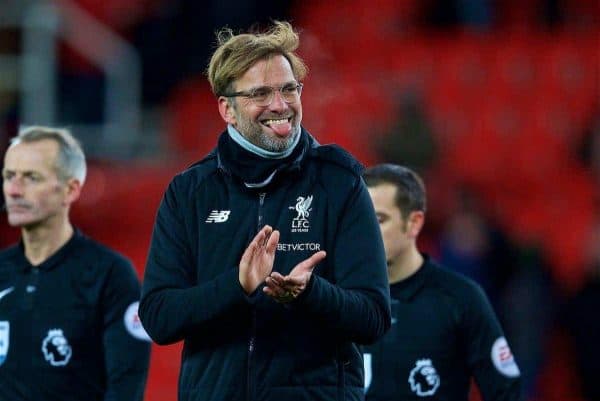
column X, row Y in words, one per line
column 218, row 216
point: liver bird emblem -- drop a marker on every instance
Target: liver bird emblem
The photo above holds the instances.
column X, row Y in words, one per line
column 303, row 207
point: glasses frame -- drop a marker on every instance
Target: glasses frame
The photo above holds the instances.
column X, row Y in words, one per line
column 249, row 94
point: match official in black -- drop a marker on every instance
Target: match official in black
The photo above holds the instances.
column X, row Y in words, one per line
column 69, row 329
column 444, row 331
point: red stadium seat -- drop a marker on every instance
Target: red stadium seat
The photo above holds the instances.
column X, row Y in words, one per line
column 514, row 66
column 411, row 64
column 572, row 71
column 164, row 373
column 461, row 65
column 194, row 121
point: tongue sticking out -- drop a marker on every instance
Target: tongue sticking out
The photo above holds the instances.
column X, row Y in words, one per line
column 283, row 129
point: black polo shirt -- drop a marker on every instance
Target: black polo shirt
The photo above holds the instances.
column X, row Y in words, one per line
column 444, row 332
column 69, row 328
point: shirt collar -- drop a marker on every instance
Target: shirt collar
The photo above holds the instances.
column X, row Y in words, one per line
column 56, row 258
column 406, row 289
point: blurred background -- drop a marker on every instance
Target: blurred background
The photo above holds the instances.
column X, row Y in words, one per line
column 495, row 103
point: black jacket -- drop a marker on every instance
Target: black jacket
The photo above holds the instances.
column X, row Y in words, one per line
column 240, row 347
column 68, row 327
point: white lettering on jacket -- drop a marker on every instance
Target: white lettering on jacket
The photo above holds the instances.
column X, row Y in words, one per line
column 308, row 246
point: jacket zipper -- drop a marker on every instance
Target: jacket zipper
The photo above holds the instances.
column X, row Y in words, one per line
column 251, row 341
column 261, row 202
column 250, row 351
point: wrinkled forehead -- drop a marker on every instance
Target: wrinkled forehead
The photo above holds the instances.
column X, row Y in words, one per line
column 272, row 71
column 32, row 156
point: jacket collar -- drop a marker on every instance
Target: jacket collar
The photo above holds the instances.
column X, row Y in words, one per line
column 255, row 171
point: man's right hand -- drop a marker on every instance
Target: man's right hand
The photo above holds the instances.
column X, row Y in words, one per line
column 258, row 258
column 284, row 289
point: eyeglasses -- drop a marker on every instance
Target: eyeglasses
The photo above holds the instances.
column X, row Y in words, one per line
column 263, row 95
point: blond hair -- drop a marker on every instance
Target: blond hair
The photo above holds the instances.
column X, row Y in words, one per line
column 235, row 54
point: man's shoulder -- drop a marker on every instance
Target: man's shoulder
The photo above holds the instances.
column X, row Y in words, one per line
column 9, row 251
column 197, row 172
column 458, row 285
column 8, row 254
column 336, row 157
column 101, row 253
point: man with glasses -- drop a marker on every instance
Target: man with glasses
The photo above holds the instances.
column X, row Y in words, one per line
column 266, row 257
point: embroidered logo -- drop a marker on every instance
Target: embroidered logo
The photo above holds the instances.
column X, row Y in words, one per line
column 56, row 348
column 6, row 291
column 300, row 223
column 424, row 379
column 4, row 338
column 133, row 324
column 503, row 359
column 218, row 216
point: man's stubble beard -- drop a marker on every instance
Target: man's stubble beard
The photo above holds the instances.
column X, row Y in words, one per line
column 255, row 135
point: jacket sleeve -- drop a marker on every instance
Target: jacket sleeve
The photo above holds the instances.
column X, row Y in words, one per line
column 488, row 354
column 173, row 304
column 356, row 302
column 126, row 345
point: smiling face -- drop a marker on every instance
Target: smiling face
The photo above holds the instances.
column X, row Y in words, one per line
column 273, row 127
column 33, row 192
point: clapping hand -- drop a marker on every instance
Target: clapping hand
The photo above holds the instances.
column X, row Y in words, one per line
column 258, row 258
column 285, row 289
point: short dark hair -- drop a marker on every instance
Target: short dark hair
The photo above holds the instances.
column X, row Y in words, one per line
column 410, row 189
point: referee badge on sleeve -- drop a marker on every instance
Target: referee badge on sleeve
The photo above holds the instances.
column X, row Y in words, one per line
column 503, row 359
column 133, row 324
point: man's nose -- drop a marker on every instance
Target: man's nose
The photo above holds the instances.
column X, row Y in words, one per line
column 13, row 187
column 278, row 103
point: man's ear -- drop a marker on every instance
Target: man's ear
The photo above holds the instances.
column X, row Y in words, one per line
column 416, row 220
column 226, row 110
column 73, row 191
